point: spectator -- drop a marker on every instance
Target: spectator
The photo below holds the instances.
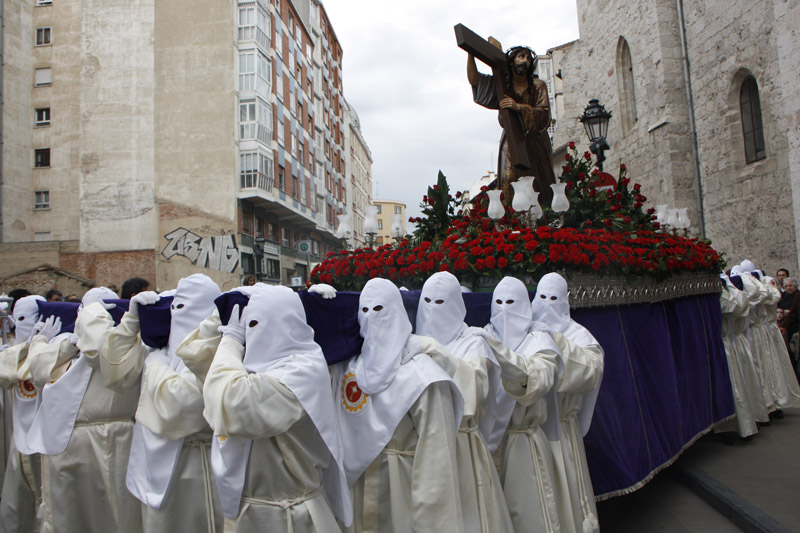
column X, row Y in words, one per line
column 16, row 294
column 781, row 275
column 132, row 287
column 73, row 298
column 249, row 280
column 112, row 287
column 789, row 292
column 54, row 295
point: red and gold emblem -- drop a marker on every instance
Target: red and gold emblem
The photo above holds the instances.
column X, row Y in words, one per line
column 353, row 398
column 26, row 389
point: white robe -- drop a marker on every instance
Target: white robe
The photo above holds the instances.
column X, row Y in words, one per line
column 787, row 390
column 84, row 486
column 170, row 404
column 22, row 485
column 756, row 293
column 526, row 464
column 483, row 503
column 282, row 488
column 583, row 371
column 410, row 485
column 748, row 398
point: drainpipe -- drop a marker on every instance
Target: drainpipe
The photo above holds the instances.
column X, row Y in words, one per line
column 698, row 186
column 2, row 108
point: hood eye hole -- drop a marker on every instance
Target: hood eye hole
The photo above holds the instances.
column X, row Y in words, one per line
column 499, row 301
column 509, row 301
column 377, row 308
column 20, row 319
column 554, row 297
column 428, row 300
column 440, row 302
column 543, row 297
column 365, row 309
column 180, row 306
column 253, row 323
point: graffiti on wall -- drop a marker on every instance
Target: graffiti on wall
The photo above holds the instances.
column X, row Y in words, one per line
column 218, row 252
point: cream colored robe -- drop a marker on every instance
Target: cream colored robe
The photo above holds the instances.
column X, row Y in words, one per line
column 583, row 371
column 787, row 390
column 748, row 398
column 411, row 485
column 282, row 488
column 526, row 457
column 756, row 293
column 170, row 404
column 22, row 484
column 84, row 486
column 483, row 503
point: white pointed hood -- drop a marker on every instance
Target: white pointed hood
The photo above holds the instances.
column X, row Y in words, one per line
column 25, row 315
column 385, row 328
column 193, row 302
column 511, row 312
column 98, row 294
column 748, row 266
column 441, row 309
column 550, row 304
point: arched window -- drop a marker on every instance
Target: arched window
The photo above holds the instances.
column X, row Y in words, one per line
column 753, row 131
column 625, row 85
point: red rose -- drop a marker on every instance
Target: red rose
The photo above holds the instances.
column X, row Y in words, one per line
column 623, row 168
column 587, row 156
column 502, row 262
column 518, row 257
column 607, row 222
column 458, row 194
column 572, row 145
column 592, row 193
column 637, row 187
column 568, row 157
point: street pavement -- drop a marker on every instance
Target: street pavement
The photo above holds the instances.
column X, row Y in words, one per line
column 751, row 486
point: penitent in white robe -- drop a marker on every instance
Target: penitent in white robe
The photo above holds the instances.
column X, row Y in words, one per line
column 526, row 466
column 748, row 398
column 756, row 292
column 282, row 487
column 483, row 503
column 583, row 371
column 22, row 485
column 787, row 390
column 84, row 486
column 170, row 404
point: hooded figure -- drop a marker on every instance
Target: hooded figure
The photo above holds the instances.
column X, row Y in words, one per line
column 398, row 412
column 577, row 389
column 170, row 453
column 530, row 365
column 440, row 315
column 22, row 483
column 83, row 429
column 747, row 395
column 277, row 455
column 770, row 357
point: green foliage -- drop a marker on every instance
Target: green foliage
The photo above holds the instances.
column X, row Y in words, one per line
column 438, row 210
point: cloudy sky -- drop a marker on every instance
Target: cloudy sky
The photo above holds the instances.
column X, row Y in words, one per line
column 406, row 78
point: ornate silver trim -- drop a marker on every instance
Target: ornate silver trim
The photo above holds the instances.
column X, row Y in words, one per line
column 588, row 290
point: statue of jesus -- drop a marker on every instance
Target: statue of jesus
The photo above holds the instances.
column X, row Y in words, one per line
column 526, row 95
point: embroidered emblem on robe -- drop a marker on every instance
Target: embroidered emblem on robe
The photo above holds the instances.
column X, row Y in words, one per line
column 353, row 398
column 27, row 389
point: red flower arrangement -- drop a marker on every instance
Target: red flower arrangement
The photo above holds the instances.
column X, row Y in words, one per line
column 605, row 232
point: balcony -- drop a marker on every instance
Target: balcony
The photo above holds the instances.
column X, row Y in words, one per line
column 259, row 189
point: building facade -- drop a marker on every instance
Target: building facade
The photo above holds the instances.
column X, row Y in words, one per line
column 389, row 212
column 705, row 105
column 133, row 149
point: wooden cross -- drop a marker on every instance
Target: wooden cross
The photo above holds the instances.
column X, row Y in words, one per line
column 480, row 48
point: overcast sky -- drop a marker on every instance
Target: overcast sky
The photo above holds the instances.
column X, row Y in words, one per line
column 406, row 78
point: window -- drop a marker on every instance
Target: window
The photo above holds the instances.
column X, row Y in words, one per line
column 281, row 134
column 261, row 227
column 41, row 200
column 41, row 157
column 247, row 222
column 255, row 170
column 272, row 268
column 42, row 77
column 42, row 117
column 625, row 84
column 44, row 2
column 255, row 120
column 296, row 186
column 43, row 36
column 40, row 236
column 379, row 206
column 281, row 173
column 398, row 210
column 380, row 224
column 255, row 72
column 752, row 128
column 285, row 237
column 254, row 26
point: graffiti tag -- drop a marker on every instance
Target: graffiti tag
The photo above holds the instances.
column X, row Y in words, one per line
column 218, row 252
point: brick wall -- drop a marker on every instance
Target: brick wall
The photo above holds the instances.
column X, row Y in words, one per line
column 111, row 267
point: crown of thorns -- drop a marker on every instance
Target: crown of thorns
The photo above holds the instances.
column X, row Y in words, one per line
column 511, row 52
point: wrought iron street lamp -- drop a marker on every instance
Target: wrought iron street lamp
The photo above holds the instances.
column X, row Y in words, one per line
column 595, row 120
